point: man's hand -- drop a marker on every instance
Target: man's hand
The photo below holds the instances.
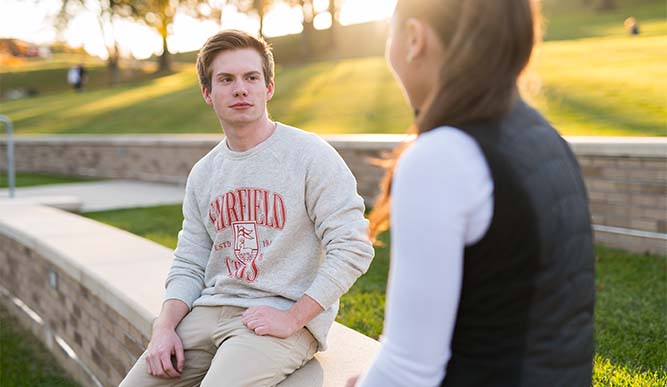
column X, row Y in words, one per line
column 164, row 344
column 265, row 320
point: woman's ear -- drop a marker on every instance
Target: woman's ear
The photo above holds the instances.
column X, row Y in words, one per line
column 415, row 35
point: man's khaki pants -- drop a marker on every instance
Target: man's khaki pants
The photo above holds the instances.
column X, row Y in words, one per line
column 222, row 352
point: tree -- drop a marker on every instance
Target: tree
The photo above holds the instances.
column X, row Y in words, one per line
column 602, row 5
column 159, row 15
column 605, row 5
column 334, row 8
column 107, row 13
column 260, row 7
column 213, row 11
column 308, row 12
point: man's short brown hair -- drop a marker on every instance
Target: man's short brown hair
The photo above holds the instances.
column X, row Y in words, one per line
column 232, row 40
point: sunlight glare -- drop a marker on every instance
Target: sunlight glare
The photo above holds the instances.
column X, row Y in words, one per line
column 282, row 20
column 359, row 11
column 322, row 21
column 28, row 21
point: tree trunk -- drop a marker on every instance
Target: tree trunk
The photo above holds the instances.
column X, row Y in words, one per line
column 113, row 62
column 333, row 11
column 260, row 13
column 308, row 14
column 113, row 65
column 605, row 5
column 165, row 61
column 216, row 15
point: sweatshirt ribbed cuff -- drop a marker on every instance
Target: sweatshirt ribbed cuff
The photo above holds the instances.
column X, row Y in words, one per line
column 325, row 291
column 181, row 291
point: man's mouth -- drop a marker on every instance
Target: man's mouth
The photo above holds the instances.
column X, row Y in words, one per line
column 240, row 105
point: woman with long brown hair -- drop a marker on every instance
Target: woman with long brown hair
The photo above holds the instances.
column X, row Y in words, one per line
column 492, row 270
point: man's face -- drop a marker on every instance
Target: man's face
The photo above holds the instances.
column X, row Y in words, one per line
column 238, row 92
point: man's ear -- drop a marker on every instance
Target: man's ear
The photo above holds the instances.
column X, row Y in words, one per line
column 270, row 89
column 207, row 95
column 415, row 35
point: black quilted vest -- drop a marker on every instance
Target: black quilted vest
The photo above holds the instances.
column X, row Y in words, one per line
column 525, row 316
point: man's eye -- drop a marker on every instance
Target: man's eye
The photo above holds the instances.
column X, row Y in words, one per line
column 226, row 79
column 253, row 77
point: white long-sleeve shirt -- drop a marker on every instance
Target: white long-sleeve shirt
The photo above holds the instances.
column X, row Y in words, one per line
column 442, row 201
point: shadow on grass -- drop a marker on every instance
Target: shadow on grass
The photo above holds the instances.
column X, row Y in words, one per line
column 54, row 80
column 127, row 109
column 34, row 179
column 291, row 87
column 347, row 96
column 585, row 110
column 186, row 111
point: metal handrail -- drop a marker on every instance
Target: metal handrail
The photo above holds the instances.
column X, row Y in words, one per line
column 10, row 155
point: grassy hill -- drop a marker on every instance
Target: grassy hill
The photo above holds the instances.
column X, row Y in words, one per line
column 577, row 19
column 604, row 86
column 618, row 90
column 589, row 78
column 50, row 76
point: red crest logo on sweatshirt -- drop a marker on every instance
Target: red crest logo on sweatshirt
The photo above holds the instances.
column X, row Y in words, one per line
column 246, row 250
column 245, row 241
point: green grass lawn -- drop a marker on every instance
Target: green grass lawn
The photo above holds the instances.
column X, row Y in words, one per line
column 50, row 76
column 24, row 360
column 571, row 19
column 591, row 77
column 630, row 316
column 32, row 179
column 316, row 97
column 617, row 91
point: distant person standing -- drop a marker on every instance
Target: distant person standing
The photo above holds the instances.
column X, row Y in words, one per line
column 76, row 76
column 83, row 77
column 73, row 77
column 632, row 26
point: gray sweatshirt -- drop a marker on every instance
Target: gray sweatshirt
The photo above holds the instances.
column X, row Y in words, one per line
column 268, row 225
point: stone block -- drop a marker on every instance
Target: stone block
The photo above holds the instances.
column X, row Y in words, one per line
column 646, row 225
column 599, row 185
column 662, row 224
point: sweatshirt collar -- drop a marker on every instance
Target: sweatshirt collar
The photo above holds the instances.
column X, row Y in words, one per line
column 262, row 146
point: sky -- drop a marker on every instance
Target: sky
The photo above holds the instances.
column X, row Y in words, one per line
column 32, row 20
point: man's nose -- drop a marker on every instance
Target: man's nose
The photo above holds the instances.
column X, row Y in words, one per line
column 240, row 90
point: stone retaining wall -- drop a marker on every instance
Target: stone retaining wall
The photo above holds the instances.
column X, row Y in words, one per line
column 103, row 340
column 77, row 278
column 626, row 177
column 90, row 291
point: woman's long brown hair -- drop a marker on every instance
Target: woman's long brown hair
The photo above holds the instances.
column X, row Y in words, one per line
column 487, row 44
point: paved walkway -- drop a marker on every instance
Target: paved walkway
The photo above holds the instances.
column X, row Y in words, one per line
column 98, row 196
